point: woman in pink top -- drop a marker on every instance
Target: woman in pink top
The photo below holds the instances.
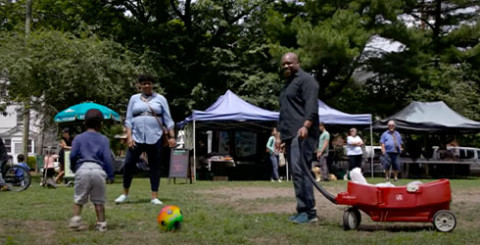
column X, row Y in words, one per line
column 49, row 169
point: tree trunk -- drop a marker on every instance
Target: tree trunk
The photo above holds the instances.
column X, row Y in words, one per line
column 26, row 105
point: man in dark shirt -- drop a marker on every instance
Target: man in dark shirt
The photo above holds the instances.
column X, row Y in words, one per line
column 3, row 162
column 298, row 126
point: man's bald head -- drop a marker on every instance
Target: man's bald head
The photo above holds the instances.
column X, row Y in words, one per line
column 290, row 64
column 291, row 55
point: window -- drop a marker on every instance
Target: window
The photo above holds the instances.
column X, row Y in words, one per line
column 18, row 147
column 19, row 112
column 30, row 146
column 8, row 145
column 467, row 154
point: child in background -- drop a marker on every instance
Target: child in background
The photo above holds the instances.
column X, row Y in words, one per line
column 91, row 161
column 21, row 162
column 49, row 170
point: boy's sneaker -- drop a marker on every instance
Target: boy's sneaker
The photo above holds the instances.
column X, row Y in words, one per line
column 76, row 224
column 121, row 199
column 4, row 187
column 156, row 201
column 101, row 226
column 303, row 218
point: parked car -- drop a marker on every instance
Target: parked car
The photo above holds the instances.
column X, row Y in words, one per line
column 463, row 154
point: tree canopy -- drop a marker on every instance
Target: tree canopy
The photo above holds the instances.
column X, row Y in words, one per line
column 92, row 50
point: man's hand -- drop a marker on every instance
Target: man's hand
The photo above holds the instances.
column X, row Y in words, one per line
column 172, row 143
column 303, row 132
column 319, row 154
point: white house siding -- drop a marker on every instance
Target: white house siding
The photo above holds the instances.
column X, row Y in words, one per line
column 11, row 131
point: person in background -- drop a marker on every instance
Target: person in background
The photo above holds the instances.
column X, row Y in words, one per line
column 354, row 150
column 3, row 162
column 322, row 154
column 22, row 163
column 147, row 114
column 391, row 143
column 273, row 155
column 65, row 145
column 298, row 127
column 91, row 161
column 49, row 170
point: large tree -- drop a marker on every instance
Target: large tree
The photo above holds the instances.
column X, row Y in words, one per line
column 55, row 69
column 439, row 58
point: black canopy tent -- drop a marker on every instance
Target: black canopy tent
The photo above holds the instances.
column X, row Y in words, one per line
column 429, row 117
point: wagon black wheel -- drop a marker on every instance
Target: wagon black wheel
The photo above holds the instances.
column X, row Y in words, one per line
column 444, row 221
column 17, row 178
column 351, row 219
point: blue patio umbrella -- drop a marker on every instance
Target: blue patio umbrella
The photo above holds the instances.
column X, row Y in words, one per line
column 77, row 112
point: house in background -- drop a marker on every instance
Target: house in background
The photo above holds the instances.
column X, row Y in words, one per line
column 11, row 131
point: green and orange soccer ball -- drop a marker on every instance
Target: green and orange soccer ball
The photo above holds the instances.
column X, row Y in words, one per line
column 170, row 218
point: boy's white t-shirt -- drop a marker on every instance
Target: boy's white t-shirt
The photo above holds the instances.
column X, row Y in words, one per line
column 353, row 150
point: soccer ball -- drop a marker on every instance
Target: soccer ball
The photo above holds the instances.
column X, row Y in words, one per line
column 170, row 218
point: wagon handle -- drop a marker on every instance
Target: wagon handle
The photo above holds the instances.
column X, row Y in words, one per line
column 303, row 165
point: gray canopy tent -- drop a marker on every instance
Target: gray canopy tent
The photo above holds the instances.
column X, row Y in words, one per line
column 429, row 117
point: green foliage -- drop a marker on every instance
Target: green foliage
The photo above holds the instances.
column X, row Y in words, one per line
column 199, row 49
column 437, row 61
column 59, row 69
column 31, row 162
column 112, row 132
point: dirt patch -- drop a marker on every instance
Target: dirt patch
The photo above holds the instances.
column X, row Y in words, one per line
column 45, row 230
column 282, row 200
column 265, row 199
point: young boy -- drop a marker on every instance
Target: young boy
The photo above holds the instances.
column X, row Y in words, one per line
column 21, row 162
column 91, row 161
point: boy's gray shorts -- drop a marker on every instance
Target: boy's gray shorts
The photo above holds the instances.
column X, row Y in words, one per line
column 90, row 183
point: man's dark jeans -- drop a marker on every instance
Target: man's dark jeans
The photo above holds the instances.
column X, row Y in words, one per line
column 299, row 153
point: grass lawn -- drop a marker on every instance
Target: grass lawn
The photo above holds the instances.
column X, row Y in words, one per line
column 250, row 212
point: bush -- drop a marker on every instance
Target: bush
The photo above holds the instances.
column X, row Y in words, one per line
column 31, row 162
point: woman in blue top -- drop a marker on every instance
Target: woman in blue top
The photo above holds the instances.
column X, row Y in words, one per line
column 147, row 114
column 273, row 155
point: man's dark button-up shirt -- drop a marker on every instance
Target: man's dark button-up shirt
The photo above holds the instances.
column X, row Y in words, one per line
column 298, row 102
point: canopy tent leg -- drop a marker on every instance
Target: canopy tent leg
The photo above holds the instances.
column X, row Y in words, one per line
column 194, row 154
column 371, row 148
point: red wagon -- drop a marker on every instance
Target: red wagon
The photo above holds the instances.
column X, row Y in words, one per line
column 429, row 202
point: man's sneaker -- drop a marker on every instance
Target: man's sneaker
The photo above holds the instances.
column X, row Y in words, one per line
column 303, row 218
column 293, row 217
column 156, row 201
column 76, row 224
column 101, row 226
column 121, row 199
